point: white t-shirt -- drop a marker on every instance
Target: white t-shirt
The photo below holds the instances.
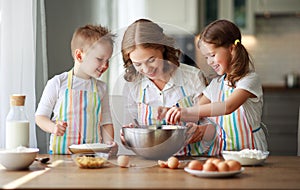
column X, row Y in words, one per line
column 188, row 77
column 54, row 92
column 253, row 106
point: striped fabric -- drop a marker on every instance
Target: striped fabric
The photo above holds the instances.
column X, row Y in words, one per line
column 234, row 133
column 81, row 110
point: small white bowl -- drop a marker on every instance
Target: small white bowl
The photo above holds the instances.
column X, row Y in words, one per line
column 17, row 159
column 246, row 157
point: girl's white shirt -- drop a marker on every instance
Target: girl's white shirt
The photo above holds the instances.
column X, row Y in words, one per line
column 253, row 106
column 189, row 77
column 54, row 92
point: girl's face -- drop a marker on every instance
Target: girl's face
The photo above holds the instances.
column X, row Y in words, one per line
column 218, row 58
column 148, row 62
column 96, row 60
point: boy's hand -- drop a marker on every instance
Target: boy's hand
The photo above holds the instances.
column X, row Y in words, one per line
column 60, row 128
column 114, row 149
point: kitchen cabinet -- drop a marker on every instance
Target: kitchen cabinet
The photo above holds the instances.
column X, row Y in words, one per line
column 241, row 12
column 280, row 114
column 176, row 16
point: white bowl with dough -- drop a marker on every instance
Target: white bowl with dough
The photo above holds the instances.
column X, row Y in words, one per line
column 247, row 157
column 18, row 159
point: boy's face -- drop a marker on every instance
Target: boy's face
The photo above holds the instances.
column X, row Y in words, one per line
column 96, row 60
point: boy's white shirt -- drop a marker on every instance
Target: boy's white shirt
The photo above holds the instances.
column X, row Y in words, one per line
column 54, row 92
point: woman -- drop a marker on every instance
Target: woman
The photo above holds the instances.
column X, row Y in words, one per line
column 155, row 77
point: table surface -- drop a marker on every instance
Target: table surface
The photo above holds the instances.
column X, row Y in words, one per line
column 278, row 172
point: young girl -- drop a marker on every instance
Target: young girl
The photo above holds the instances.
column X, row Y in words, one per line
column 79, row 102
column 234, row 99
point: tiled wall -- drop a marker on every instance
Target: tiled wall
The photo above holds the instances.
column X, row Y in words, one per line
column 275, row 49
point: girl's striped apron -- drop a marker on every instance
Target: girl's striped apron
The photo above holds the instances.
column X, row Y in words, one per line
column 82, row 112
column 235, row 133
column 147, row 116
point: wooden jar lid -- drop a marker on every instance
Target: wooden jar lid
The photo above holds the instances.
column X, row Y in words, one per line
column 17, row 100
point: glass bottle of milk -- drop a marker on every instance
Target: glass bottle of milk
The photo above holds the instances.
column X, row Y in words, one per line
column 17, row 124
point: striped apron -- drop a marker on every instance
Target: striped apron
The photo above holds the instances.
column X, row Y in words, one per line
column 234, row 133
column 147, row 116
column 82, row 112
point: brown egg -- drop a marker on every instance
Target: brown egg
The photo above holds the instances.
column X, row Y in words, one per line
column 123, row 161
column 216, row 161
column 209, row 167
column 162, row 164
column 233, row 165
column 173, row 162
column 195, row 165
column 223, row 166
column 210, row 160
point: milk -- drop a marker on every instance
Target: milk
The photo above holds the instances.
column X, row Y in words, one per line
column 17, row 134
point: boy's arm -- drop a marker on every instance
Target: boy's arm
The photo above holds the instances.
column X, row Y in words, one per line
column 107, row 133
column 58, row 128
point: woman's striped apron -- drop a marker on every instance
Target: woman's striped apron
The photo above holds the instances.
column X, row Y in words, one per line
column 235, row 133
column 147, row 116
column 82, row 112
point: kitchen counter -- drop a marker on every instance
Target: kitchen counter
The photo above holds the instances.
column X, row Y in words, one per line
column 278, row 172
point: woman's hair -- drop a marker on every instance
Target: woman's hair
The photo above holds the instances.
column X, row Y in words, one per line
column 147, row 34
column 223, row 33
column 86, row 36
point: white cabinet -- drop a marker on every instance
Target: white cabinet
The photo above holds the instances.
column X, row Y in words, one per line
column 177, row 16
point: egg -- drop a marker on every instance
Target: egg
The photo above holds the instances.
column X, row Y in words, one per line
column 233, row 165
column 195, row 165
column 222, row 166
column 123, row 161
column 173, row 162
column 162, row 164
column 209, row 167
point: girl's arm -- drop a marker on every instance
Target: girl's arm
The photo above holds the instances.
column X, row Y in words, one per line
column 234, row 101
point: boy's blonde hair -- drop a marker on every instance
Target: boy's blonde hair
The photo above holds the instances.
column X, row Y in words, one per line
column 86, row 36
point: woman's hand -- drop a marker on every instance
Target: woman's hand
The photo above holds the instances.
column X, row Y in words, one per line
column 161, row 112
column 173, row 115
column 60, row 128
column 130, row 125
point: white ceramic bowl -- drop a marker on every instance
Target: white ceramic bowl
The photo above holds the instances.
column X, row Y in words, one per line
column 246, row 157
column 18, row 159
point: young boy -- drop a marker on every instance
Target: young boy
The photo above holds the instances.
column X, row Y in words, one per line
column 80, row 103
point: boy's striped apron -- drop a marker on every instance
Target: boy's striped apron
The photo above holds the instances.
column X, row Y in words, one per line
column 235, row 133
column 147, row 116
column 82, row 112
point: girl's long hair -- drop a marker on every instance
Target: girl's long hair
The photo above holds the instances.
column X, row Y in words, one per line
column 223, row 33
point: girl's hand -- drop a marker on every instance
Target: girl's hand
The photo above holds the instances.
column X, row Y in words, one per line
column 173, row 115
column 130, row 125
column 60, row 128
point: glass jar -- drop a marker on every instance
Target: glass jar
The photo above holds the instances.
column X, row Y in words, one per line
column 17, row 124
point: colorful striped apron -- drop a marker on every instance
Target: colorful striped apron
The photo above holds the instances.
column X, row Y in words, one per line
column 82, row 112
column 147, row 116
column 234, row 133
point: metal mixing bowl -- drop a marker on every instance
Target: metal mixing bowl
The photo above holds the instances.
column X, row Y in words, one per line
column 159, row 143
column 152, row 143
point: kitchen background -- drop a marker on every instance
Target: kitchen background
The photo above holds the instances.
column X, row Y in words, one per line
column 271, row 32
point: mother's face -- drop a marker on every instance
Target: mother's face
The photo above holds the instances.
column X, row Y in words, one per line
column 148, row 61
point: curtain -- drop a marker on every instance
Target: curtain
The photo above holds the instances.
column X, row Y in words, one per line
column 18, row 59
